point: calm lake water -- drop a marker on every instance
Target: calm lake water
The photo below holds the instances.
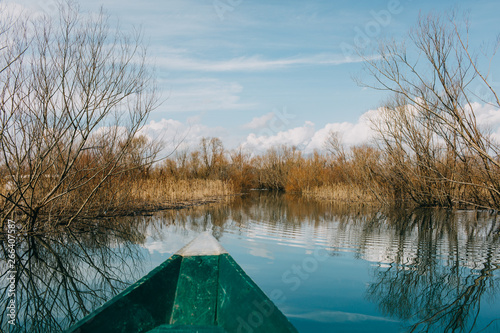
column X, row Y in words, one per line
column 328, row 268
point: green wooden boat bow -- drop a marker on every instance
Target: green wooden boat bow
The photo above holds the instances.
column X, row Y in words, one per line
column 199, row 289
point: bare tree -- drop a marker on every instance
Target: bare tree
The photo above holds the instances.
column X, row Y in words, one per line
column 61, row 277
column 334, row 145
column 212, row 155
column 431, row 119
column 71, row 108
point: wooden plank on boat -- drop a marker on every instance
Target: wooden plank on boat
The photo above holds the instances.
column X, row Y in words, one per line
column 196, row 296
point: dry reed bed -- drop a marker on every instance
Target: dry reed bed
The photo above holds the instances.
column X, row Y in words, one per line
column 169, row 193
column 341, row 193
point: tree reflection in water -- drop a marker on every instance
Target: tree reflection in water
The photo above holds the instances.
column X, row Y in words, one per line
column 434, row 267
column 62, row 277
column 437, row 288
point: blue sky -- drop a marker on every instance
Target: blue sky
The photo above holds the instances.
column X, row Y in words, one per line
column 262, row 73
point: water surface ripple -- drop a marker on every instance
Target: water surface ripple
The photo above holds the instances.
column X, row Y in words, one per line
column 330, row 268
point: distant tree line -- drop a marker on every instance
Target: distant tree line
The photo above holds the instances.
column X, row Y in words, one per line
column 429, row 149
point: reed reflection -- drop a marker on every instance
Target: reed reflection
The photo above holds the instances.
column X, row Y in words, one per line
column 280, row 211
column 432, row 268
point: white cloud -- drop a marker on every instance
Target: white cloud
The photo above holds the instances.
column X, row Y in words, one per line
column 29, row 7
column 179, row 135
column 298, row 136
column 488, row 117
column 202, row 95
column 486, row 114
column 308, row 139
column 352, row 133
column 259, row 122
column 178, row 61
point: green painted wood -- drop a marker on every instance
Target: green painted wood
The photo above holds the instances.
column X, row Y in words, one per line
column 196, row 295
column 139, row 308
column 243, row 306
column 192, row 293
column 187, row 328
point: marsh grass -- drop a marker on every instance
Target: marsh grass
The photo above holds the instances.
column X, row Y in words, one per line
column 133, row 195
column 348, row 193
column 170, row 192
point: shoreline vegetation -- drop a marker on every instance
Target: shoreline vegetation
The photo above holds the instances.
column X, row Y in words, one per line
column 76, row 94
column 429, row 149
column 153, row 194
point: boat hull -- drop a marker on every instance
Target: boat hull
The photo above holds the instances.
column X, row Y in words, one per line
column 190, row 293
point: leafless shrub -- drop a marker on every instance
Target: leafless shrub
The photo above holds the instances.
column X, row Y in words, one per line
column 435, row 151
column 73, row 99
